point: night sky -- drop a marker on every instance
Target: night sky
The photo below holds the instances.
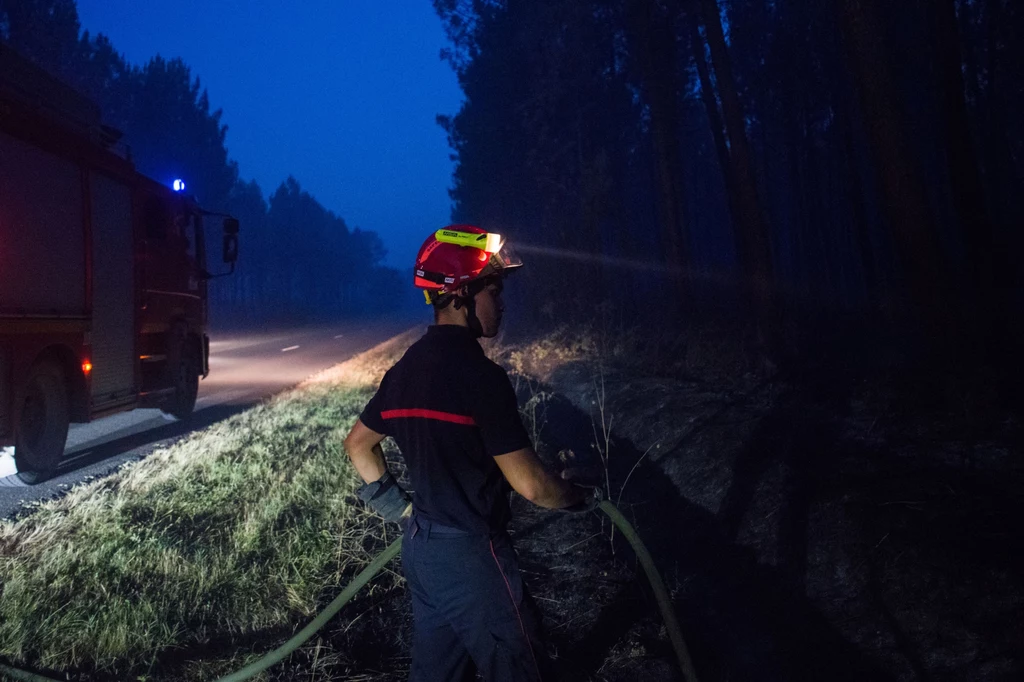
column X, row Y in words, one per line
column 342, row 94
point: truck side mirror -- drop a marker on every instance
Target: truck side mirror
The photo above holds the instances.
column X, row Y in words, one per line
column 231, row 226
column 231, row 247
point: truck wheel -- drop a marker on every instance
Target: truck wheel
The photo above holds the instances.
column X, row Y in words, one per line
column 42, row 428
column 183, row 368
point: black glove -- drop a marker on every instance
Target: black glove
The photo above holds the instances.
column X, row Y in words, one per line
column 386, row 497
column 594, row 498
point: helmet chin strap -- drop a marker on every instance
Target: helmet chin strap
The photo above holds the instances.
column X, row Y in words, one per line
column 469, row 302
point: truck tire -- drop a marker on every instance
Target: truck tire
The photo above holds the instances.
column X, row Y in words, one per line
column 42, row 428
column 183, row 375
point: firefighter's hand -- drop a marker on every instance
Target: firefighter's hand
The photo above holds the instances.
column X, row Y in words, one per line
column 387, row 498
column 594, row 496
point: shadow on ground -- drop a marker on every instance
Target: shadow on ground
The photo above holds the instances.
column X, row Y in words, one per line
column 828, row 556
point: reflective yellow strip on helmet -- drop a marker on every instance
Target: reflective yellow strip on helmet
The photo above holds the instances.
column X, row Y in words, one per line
column 487, row 241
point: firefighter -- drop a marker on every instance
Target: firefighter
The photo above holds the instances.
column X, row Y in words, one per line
column 454, row 416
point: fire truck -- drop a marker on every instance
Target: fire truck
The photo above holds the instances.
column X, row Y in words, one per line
column 103, row 277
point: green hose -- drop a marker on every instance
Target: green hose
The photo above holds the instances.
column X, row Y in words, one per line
column 668, row 614
column 305, row 633
column 675, row 634
column 24, row 675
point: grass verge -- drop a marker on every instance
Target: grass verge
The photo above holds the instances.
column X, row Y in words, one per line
column 233, row 533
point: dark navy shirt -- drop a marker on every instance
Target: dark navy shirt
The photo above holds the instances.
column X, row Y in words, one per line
column 451, row 411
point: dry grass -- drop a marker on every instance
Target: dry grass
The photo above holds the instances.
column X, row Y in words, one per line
column 366, row 369
column 706, row 351
column 538, row 359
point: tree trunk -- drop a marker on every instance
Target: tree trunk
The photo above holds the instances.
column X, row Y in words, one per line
column 653, row 45
column 858, row 215
column 828, row 286
column 1003, row 173
column 965, row 179
column 903, row 195
column 754, row 247
column 707, row 95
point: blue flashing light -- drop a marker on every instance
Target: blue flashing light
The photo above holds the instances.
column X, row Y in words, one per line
column 178, row 185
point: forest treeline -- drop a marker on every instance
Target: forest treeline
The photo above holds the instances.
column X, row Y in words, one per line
column 298, row 259
column 763, row 155
column 767, row 155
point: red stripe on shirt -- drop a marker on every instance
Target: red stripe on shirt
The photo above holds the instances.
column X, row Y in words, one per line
column 429, row 414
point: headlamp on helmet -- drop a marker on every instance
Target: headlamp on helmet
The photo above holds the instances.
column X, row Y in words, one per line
column 458, row 255
column 485, row 241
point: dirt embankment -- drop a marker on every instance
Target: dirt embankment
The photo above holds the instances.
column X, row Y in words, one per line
column 826, row 527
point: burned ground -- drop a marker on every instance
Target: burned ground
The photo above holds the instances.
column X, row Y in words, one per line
column 832, row 524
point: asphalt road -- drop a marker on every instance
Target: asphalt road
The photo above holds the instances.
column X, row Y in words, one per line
column 245, row 368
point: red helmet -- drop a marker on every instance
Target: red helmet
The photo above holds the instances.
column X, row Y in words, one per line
column 460, row 254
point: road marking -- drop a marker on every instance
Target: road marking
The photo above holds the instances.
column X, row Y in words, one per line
column 285, row 350
column 77, row 456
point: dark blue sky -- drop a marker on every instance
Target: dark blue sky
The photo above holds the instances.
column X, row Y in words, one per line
column 342, row 94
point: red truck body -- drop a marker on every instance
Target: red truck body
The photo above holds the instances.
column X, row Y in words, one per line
column 103, row 279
